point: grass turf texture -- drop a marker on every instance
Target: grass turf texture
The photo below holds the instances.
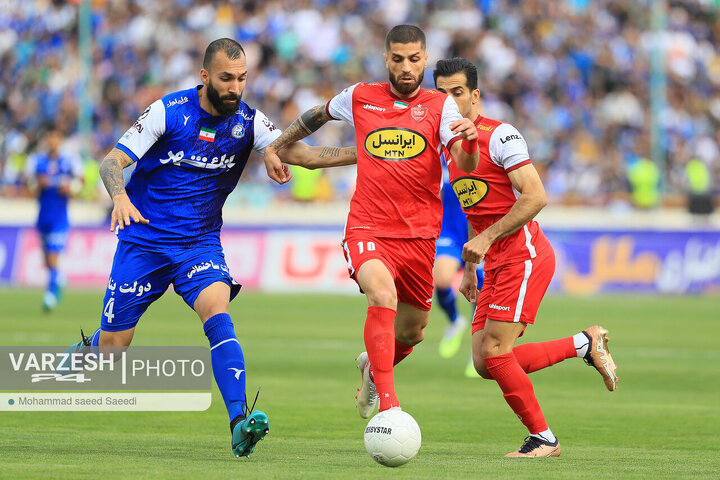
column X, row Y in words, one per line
column 300, row 349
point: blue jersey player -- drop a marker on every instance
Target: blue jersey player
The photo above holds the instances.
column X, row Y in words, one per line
column 190, row 148
column 54, row 172
column 448, row 261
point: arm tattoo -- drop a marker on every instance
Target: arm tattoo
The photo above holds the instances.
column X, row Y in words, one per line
column 111, row 172
column 314, row 119
column 328, row 152
column 303, row 126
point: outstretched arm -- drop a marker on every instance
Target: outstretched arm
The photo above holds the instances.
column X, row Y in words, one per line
column 111, row 173
column 301, row 154
column 303, row 126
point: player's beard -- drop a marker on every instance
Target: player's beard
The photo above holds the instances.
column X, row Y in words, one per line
column 224, row 108
column 405, row 88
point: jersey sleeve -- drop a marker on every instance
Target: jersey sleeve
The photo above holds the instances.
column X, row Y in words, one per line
column 148, row 128
column 450, row 113
column 508, row 148
column 31, row 166
column 265, row 132
column 340, row 106
column 76, row 167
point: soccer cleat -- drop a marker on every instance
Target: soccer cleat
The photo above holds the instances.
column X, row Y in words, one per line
column 83, row 346
column 598, row 355
column 247, row 431
column 50, row 301
column 366, row 397
column 536, row 447
column 452, row 339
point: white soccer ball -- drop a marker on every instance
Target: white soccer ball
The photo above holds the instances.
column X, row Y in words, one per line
column 392, row 437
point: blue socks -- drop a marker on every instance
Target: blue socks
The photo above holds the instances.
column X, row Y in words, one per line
column 228, row 363
column 446, row 298
column 53, row 285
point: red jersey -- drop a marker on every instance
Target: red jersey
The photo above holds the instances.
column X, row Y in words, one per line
column 486, row 194
column 398, row 158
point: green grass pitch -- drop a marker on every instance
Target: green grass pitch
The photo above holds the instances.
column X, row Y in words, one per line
column 663, row 422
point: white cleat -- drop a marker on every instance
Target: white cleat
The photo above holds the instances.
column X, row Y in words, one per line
column 367, row 395
column 452, row 339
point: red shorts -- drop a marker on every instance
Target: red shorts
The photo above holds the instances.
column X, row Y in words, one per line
column 410, row 262
column 513, row 292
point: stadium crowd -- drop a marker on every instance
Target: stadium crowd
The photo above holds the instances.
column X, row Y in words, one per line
column 573, row 76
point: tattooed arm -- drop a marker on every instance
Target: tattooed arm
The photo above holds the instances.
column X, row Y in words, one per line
column 299, row 153
column 111, row 170
column 303, row 126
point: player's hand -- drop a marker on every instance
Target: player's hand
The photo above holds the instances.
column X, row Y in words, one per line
column 64, row 189
column 43, row 181
column 468, row 285
column 474, row 250
column 274, row 166
column 124, row 212
column 465, row 128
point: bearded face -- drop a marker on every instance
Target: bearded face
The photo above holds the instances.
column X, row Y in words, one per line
column 406, row 83
column 226, row 105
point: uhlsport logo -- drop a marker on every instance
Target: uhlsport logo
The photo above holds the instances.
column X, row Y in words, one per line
column 395, row 144
column 470, row 191
column 367, row 106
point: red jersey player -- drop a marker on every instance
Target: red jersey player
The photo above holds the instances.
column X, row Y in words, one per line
column 500, row 198
column 395, row 213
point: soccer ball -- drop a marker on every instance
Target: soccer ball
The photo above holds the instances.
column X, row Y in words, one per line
column 392, row 437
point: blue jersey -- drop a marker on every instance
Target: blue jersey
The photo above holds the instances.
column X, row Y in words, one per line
column 454, row 222
column 58, row 169
column 188, row 161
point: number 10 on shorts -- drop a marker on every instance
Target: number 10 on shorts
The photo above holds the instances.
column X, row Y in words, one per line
column 370, row 247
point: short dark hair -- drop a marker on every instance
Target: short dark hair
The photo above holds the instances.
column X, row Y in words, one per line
column 404, row 34
column 230, row 47
column 451, row 66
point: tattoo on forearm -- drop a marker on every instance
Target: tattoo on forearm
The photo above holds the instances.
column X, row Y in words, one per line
column 303, row 126
column 111, row 173
column 328, row 152
column 350, row 152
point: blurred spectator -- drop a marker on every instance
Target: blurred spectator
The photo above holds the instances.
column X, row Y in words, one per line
column 572, row 75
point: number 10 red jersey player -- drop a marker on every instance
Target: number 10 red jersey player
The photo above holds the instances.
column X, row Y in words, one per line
column 395, row 213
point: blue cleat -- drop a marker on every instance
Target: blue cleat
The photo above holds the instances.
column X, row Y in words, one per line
column 246, row 432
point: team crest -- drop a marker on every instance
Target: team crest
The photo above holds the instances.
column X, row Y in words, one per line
column 418, row 113
column 238, row 131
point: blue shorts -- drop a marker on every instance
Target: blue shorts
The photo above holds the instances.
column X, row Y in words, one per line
column 450, row 247
column 53, row 241
column 140, row 275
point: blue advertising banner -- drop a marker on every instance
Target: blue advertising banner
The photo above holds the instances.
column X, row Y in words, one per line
column 636, row 261
column 311, row 260
column 8, row 242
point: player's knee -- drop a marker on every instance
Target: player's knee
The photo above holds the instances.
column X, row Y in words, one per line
column 382, row 297
column 492, row 347
column 410, row 336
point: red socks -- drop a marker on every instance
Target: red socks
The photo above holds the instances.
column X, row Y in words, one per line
column 402, row 350
column 536, row 356
column 517, row 390
column 380, row 345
